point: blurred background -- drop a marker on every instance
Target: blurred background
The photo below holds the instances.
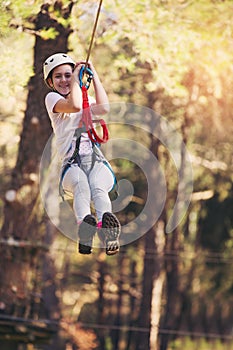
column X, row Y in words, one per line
column 164, row 291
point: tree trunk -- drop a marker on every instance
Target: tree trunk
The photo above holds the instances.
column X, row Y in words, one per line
column 157, row 287
column 132, row 303
column 153, row 279
column 143, row 340
column 35, row 133
column 23, row 227
column 101, row 317
column 152, row 275
column 118, row 322
column 172, row 317
column 172, row 297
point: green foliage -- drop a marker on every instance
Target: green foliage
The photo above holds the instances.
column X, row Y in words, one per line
column 5, row 17
column 16, row 13
column 201, row 344
column 15, row 69
column 168, row 35
column 22, row 10
column 50, row 33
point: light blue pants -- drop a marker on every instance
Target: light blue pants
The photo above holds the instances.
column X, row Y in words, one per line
column 89, row 184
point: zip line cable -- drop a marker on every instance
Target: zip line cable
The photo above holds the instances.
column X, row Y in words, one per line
column 167, row 254
column 160, row 331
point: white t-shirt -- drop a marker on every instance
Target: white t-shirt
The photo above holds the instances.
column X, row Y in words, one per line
column 64, row 126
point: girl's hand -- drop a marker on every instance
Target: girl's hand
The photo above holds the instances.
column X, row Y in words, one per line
column 77, row 67
column 90, row 65
column 83, row 63
column 76, row 72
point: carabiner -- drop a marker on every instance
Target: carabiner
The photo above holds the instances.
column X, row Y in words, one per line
column 89, row 74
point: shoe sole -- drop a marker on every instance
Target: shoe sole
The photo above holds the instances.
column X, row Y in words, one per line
column 112, row 229
column 87, row 230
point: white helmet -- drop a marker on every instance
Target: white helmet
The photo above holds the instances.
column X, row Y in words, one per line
column 54, row 61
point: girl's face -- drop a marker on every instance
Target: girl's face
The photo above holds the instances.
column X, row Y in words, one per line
column 61, row 79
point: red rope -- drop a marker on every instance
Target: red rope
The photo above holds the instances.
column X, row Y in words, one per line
column 87, row 121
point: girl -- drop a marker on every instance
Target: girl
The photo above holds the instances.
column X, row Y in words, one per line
column 85, row 171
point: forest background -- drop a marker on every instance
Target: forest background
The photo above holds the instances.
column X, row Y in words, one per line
column 164, row 290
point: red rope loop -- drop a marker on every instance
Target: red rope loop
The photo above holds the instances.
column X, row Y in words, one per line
column 87, row 121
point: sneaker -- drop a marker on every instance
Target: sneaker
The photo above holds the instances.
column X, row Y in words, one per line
column 87, row 230
column 111, row 229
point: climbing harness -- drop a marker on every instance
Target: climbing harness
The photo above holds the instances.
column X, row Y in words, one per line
column 96, row 156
